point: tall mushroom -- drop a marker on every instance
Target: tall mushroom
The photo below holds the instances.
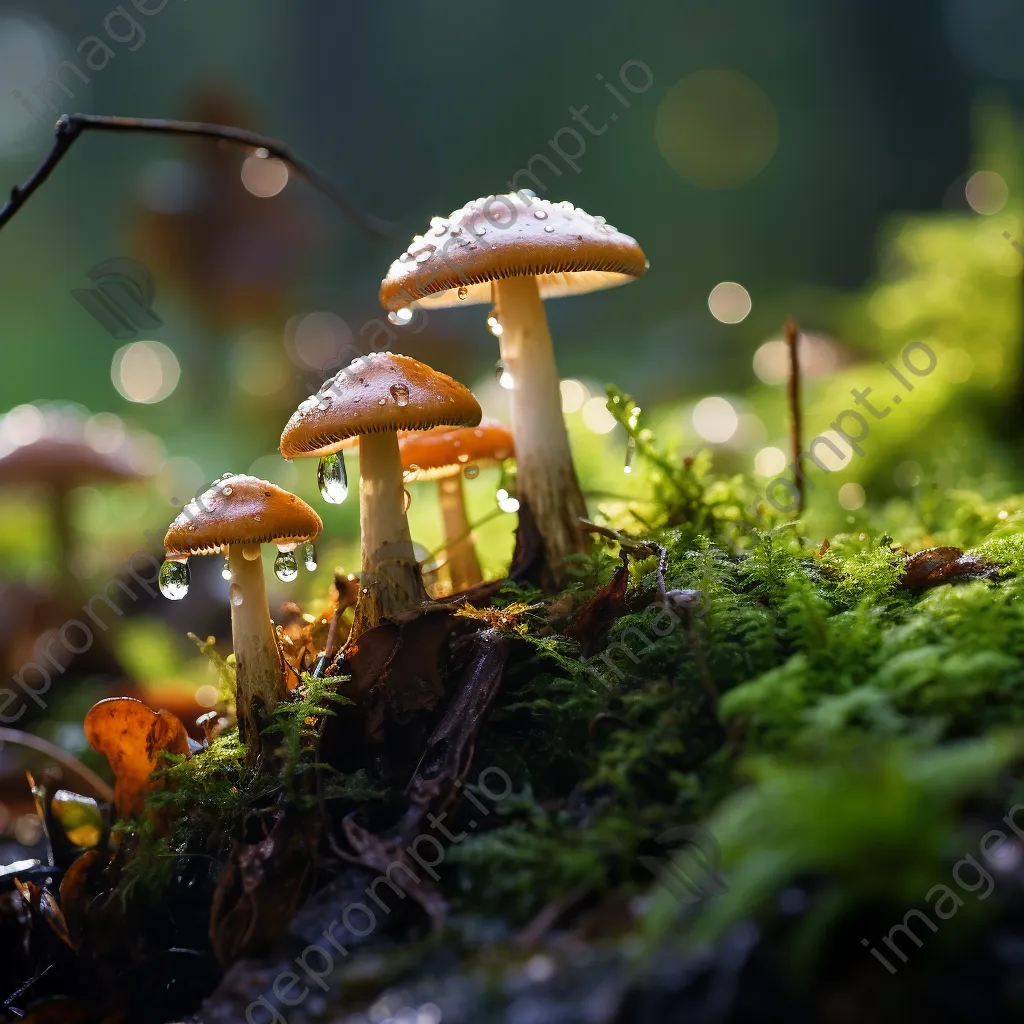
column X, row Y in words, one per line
column 515, row 251
column 372, row 399
column 237, row 515
column 443, row 455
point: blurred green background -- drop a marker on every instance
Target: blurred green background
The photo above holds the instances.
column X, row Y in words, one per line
column 855, row 165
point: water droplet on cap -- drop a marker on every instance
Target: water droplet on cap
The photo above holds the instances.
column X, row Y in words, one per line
column 286, row 568
column 541, row 214
column 174, row 580
column 400, row 393
column 332, row 477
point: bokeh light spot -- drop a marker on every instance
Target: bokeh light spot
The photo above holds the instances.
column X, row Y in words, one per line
column 769, row 462
column 986, row 192
column 264, row 176
column 596, row 416
column 851, row 496
column 715, row 419
column 729, row 302
column 717, row 129
column 574, row 394
column 145, row 372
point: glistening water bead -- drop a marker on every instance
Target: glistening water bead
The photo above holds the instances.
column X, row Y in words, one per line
column 309, row 559
column 332, row 477
column 174, row 580
column 286, row 568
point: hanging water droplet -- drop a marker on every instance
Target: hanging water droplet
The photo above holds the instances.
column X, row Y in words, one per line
column 226, row 571
column 463, row 291
column 333, row 478
column 174, row 580
column 503, row 377
column 399, row 316
column 286, row 568
column 235, row 595
column 471, row 472
column 406, row 500
column 251, row 551
column 541, row 214
column 463, row 457
column 400, row 393
column 310, row 557
column 630, row 452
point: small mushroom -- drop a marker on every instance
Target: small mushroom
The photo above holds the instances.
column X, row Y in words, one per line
column 444, row 455
column 372, row 399
column 237, row 515
column 56, row 449
column 515, row 251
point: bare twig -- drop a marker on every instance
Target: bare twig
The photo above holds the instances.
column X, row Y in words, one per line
column 70, row 126
column 792, row 332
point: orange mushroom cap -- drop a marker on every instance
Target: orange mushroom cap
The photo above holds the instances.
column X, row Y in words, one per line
column 240, row 510
column 374, row 394
column 565, row 248
column 441, row 452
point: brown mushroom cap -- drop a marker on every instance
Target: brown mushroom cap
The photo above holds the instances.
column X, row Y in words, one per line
column 240, row 510
column 50, row 443
column 566, row 249
column 374, row 394
column 441, row 452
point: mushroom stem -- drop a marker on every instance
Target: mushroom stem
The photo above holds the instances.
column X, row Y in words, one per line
column 463, row 564
column 391, row 582
column 64, row 532
column 546, row 483
column 259, row 668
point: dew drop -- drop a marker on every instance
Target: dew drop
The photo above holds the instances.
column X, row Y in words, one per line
column 471, row 472
column 332, row 478
column 382, row 401
column 226, row 571
column 286, row 568
column 400, row 393
column 630, row 452
column 251, row 551
column 226, row 491
column 174, row 580
column 549, row 228
column 541, row 214
column 406, row 499
column 285, row 548
column 235, row 595
column 309, row 558
column 463, row 457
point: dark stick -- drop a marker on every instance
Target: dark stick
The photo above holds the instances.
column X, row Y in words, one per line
column 792, row 332
column 70, row 126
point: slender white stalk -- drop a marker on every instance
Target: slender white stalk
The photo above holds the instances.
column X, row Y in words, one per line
column 259, row 668
column 391, row 581
column 463, row 564
column 546, row 481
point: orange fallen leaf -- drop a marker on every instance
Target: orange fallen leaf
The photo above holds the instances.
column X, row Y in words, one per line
column 132, row 737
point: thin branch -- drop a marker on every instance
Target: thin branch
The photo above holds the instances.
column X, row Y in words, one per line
column 70, row 126
column 792, row 332
column 61, row 756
